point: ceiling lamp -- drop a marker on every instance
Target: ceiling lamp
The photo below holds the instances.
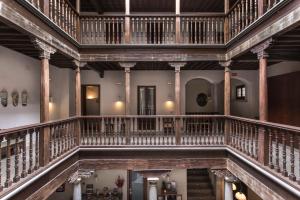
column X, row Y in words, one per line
column 240, row 196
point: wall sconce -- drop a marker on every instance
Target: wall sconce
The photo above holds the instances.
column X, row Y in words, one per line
column 50, row 99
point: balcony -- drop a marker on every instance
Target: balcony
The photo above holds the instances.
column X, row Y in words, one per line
column 29, row 149
column 152, row 29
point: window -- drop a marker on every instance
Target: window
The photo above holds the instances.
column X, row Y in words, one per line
column 240, row 93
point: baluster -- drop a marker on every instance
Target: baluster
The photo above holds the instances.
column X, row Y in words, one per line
column 8, row 162
column 243, row 14
column 16, row 151
column 271, row 165
column 36, row 166
column 284, row 139
column 246, row 13
column 292, row 174
column 277, row 166
column 256, row 129
column 255, row 9
column 30, row 170
column 24, row 152
column 251, row 11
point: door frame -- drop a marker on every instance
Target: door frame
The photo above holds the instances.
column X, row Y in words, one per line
column 138, row 99
column 83, row 99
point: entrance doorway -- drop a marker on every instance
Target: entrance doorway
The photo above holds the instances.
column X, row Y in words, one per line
column 90, row 99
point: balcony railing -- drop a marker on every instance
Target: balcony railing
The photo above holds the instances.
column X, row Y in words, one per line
column 26, row 149
column 212, row 29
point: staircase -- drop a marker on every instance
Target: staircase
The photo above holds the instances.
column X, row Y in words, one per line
column 198, row 185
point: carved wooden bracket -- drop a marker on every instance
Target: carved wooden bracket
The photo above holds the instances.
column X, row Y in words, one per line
column 81, row 174
column 45, row 49
column 177, row 65
column 224, row 173
column 226, row 65
column 79, row 64
column 260, row 49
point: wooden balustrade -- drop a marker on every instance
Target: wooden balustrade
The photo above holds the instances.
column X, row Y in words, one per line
column 36, row 3
column 62, row 13
column 20, row 149
column 151, row 130
column 102, row 30
column 279, row 148
column 279, row 145
column 208, row 29
column 241, row 15
column 202, row 30
column 153, row 30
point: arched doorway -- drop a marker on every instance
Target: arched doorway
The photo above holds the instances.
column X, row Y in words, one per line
column 199, row 97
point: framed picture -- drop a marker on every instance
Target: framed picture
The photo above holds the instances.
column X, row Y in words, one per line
column 61, row 188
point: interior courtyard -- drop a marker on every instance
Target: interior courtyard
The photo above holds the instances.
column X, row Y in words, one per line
column 150, row 99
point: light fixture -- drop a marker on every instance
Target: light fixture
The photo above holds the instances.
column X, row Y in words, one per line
column 240, row 196
column 233, row 187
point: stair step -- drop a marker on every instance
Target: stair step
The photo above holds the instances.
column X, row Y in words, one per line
column 198, row 185
column 199, row 192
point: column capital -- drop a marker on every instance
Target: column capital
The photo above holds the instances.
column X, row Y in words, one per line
column 127, row 64
column 45, row 49
column 261, row 48
column 80, row 174
column 177, row 65
column 226, row 64
column 224, row 173
column 79, row 64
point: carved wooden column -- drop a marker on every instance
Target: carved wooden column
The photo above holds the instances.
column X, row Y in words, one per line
column 262, row 55
column 127, row 66
column 78, row 6
column 177, row 66
column 228, row 178
column 127, row 34
column 226, row 21
column 177, row 23
column 263, row 141
column 77, row 88
column 227, row 98
column 261, row 4
column 45, row 7
column 45, row 53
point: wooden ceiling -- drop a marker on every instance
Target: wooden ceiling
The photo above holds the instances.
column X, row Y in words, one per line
column 22, row 43
column 152, row 5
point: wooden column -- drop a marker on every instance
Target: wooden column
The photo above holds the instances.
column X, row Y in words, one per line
column 44, row 135
column 77, row 88
column 127, row 34
column 226, row 21
column 260, row 7
column 263, row 141
column 45, row 7
column 78, row 6
column 177, row 23
column 177, row 66
column 227, row 98
column 262, row 55
column 127, row 66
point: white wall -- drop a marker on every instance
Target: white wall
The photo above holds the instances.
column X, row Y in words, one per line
column 110, row 90
column 283, row 68
column 20, row 72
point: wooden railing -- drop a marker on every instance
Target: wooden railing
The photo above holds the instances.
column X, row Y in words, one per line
column 102, row 30
column 22, row 152
column 152, row 30
column 25, row 149
column 152, row 130
column 202, row 30
column 273, row 145
column 207, row 29
column 60, row 12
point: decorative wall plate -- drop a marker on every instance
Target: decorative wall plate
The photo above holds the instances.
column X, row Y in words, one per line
column 15, row 98
column 24, row 97
column 201, row 99
column 4, row 97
